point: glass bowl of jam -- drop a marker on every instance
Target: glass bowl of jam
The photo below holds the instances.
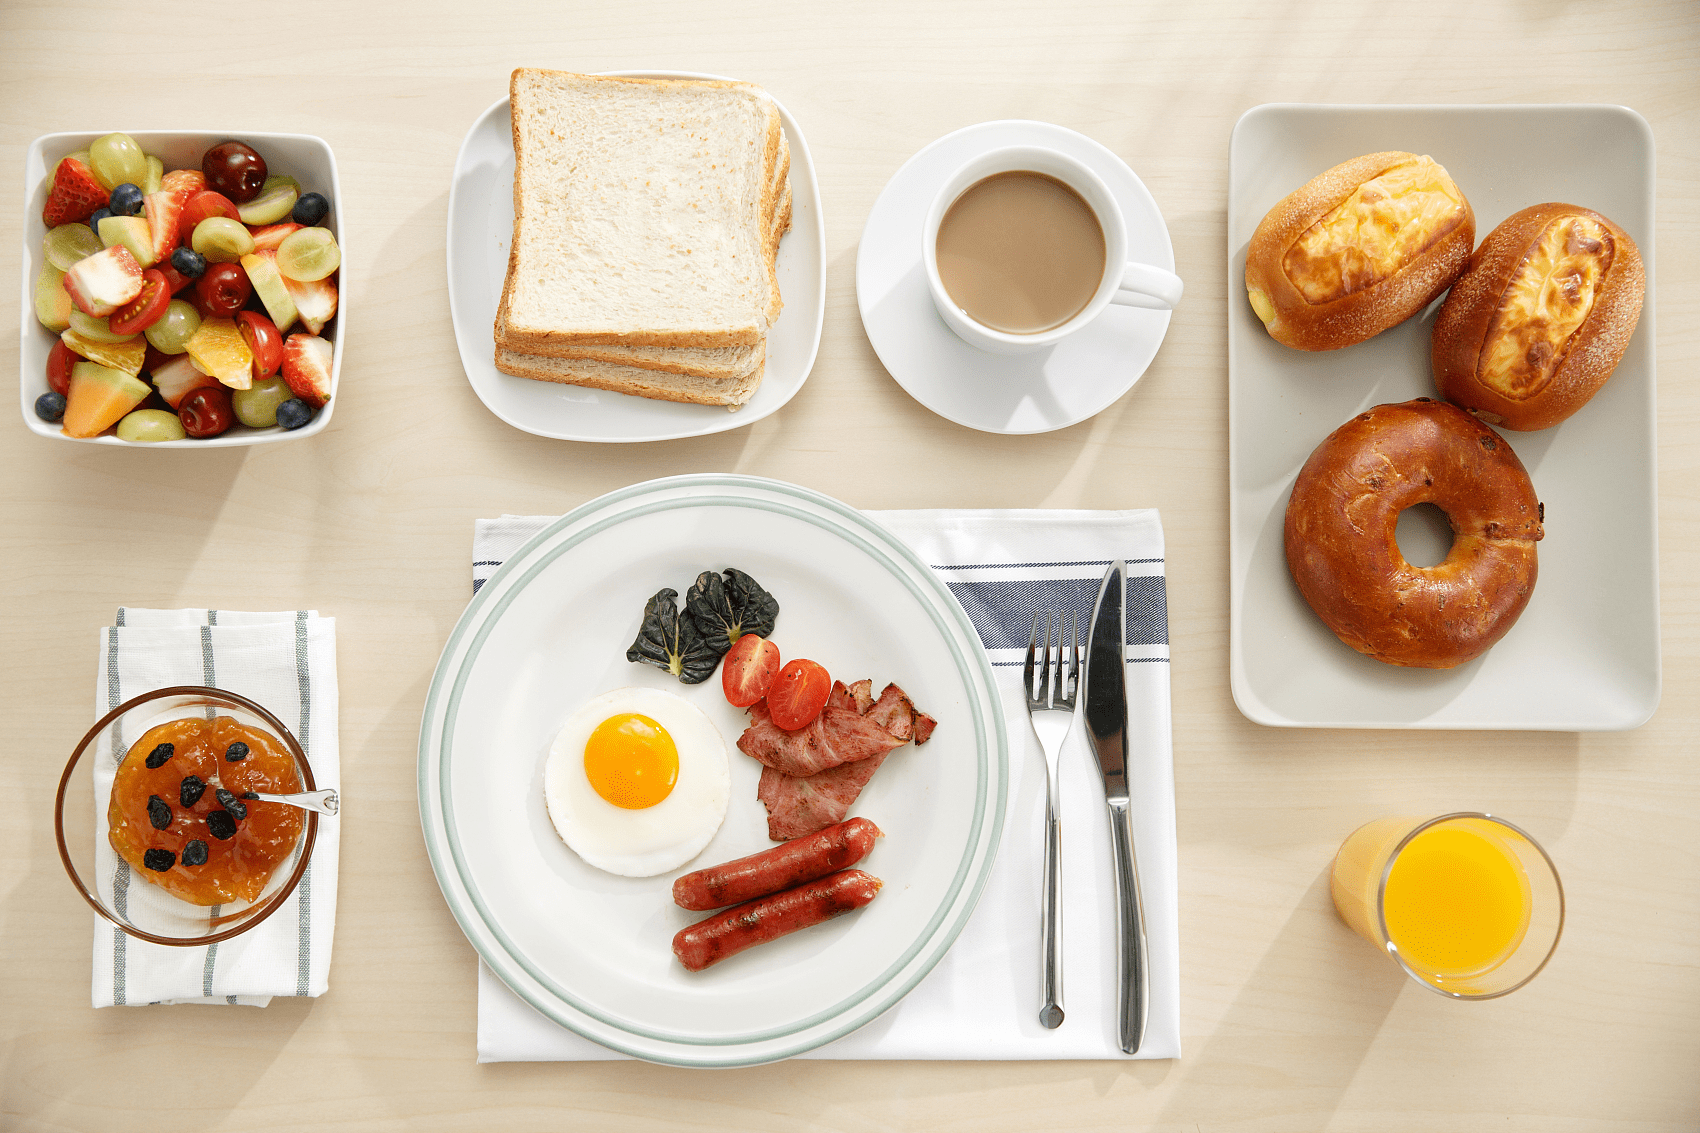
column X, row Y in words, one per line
column 157, row 825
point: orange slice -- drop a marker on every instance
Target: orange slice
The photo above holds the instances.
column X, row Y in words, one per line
column 218, row 349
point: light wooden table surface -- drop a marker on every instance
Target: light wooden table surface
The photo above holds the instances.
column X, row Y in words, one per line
column 1289, row 1022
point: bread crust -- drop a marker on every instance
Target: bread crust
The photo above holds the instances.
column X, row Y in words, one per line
column 1358, row 315
column 1343, row 553
column 523, row 339
column 615, row 378
column 1592, row 351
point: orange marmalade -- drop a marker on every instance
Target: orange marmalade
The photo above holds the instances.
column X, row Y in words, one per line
column 177, row 815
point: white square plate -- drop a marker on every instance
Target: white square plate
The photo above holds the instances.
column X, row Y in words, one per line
column 302, row 156
column 1585, row 654
column 481, row 226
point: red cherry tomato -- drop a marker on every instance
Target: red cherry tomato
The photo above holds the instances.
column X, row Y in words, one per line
column 234, row 170
column 174, row 279
column 145, row 309
column 797, row 694
column 748, row 670
column 206, row 412
column 261, row 335
column 222, row 290
column 61, row 360
column 202, row 205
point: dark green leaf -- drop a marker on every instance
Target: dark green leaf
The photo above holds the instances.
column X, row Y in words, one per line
column 669, row 640
column 726, row 609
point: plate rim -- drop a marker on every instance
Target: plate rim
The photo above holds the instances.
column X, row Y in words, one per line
column 993, row 124
column 1249, row 704
column 799, row 148
column 956, row 907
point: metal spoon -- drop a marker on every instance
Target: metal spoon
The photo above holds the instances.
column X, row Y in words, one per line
column 325, row 802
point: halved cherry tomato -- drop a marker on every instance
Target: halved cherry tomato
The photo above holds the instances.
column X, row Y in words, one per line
column 261, row 335
column 146, row 308
column 748, row 670
column 174, row 279
column 60, row 362
column 222, row 290
column 797, row 694
column 200, row 206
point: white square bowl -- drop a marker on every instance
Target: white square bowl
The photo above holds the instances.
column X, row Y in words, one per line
column 306, row 158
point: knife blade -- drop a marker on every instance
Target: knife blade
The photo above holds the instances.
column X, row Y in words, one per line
column 1106, row 729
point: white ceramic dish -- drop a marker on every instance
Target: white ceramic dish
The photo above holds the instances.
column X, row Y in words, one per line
column 481, row 226
column 1027, row 393
column 1585, row 654
column 549, row 630
column 306, row 158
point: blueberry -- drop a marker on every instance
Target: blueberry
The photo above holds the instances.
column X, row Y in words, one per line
column 195, row 853
column 159, row 812
column 98, row 216
column 159, row 860
column 158, row 756
column 294, row 413
column 188, row 263
column 190, row 791
column 311, row 209
column 236, row 752
column 221, row 825
column 50, row 406
column 126, row 200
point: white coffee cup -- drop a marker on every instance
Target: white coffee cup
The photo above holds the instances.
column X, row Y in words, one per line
column 1124, row 283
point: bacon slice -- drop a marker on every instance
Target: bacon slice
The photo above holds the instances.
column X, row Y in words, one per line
column 852, row 722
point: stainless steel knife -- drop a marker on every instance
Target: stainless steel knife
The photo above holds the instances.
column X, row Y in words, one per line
column 1106, row 728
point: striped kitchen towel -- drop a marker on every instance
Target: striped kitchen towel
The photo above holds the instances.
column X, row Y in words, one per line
column 286, row 662
column 982, row 1000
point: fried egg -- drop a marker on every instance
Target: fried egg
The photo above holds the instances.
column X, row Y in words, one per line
column 637, row 781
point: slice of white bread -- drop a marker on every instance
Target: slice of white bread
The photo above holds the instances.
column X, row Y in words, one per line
column 643, row 212
column 657, row 384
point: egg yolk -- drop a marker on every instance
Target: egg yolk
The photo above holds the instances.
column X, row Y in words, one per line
column 631, row 761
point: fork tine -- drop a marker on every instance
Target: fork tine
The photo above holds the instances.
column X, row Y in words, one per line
column 1027, row 669
column 1045, row 671
column 1074, row 658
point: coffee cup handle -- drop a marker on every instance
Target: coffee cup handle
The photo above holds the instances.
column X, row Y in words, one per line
column 1150, row 287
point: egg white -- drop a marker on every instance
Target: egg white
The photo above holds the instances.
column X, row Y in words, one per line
column 639, row 843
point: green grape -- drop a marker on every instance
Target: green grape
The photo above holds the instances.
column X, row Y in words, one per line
column 69, row 243
column 116, row 159
column 95, row 330
column 53, row 306
column 170, row 333
column 81, row 155
column 222, row 240
column 308, row 254
column 276, row 200
column 150, row 179
column 256, row 407
column 146, row 426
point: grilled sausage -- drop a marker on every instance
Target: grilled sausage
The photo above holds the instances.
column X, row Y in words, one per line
column 769, row 918
column 799, row 860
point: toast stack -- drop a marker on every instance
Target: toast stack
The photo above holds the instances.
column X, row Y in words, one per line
column 647, row 221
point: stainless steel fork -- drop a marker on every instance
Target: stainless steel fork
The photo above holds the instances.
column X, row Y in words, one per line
column 1050, row 709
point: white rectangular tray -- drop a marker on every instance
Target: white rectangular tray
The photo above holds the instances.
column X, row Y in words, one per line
column 1585, row 654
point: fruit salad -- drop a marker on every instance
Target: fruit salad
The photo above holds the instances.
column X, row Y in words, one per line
column 186, row 302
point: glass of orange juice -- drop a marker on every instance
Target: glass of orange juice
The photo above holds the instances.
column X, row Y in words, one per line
column 1465, row 903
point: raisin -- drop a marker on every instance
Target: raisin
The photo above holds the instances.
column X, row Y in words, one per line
column 195, row 853
column 221, row 825
column 236, row 752
column 159, row 860
column 231, row 803
column 159, row 812
column 158, row 756
column 190, row 792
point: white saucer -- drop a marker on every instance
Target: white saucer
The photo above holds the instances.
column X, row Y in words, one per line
column 1028, row 393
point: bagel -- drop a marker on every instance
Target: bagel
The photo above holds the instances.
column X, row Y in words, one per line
column 1358, row 249
column 1541, row 317
column 1344, row 511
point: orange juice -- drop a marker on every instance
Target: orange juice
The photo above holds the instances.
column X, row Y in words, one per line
column 1457, row 900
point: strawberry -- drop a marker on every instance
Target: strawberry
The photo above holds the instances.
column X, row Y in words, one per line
column 74, row 195
column 307, row 368
column 270, row 236
column 315, row 302
column 178, row 180
column 102, row 283
column 163, row 210
column 179, row 378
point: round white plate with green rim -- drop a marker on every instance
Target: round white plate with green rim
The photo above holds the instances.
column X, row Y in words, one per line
column 550, row 629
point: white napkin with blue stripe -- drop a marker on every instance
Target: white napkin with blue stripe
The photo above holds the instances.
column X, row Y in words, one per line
column 982, row 1000
column 286, row 662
